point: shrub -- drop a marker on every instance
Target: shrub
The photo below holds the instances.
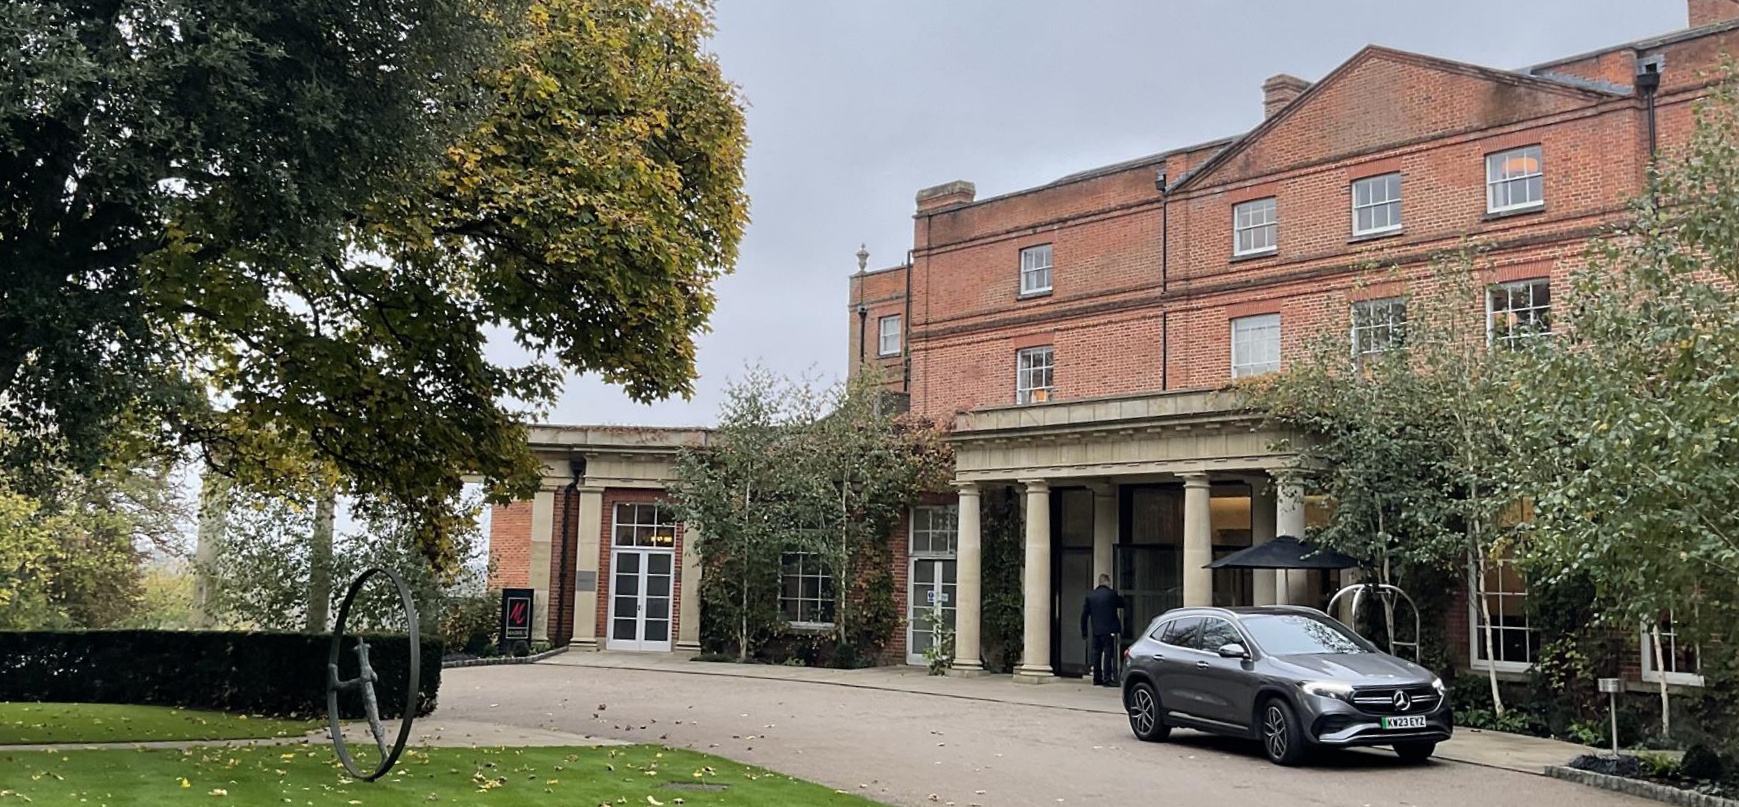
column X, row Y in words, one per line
column 1702, row 764
column 469, row 623
column 276, row 674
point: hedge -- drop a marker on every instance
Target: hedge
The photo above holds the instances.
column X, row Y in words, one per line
column 276, row 674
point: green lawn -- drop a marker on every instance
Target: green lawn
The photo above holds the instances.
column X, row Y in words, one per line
column 268, row 776
column 23, row 723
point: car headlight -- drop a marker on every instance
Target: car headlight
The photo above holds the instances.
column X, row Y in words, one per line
column 1327, row 689
column 1437, row 684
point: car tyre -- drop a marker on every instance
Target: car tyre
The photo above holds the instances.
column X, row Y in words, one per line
column 1415, row 753
column 1146, row 717
column 1281, row 735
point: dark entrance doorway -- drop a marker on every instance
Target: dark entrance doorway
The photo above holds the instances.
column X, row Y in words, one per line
column 1071, row 577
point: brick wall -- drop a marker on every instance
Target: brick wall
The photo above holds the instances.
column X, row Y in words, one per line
column 510, row 545
column 612, row 497
column 562, row 559
column 1129, row 313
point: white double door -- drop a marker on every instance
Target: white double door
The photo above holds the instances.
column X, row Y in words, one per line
column 932, row 596
column 641, row 583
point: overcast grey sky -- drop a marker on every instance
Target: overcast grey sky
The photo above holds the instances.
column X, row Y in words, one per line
column 856, row 104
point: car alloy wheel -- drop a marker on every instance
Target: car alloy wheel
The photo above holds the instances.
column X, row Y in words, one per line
column 1282, row 740
column 1274, row 731
column 1144, row 714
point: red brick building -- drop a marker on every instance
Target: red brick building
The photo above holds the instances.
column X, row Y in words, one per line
column 1078, row 334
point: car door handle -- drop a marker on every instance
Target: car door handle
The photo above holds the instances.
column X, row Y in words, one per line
column 1202, row 665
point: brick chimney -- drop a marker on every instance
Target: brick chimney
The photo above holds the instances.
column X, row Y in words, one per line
column 946, row 196
column 1709, row 12
column 1280, row 90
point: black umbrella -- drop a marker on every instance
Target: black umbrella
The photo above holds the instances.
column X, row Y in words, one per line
column 1284, row 552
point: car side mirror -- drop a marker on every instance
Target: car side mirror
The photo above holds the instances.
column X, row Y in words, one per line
column 1234, row 650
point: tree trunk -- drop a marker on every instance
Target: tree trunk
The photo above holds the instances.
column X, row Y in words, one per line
column 320, row 562
column 1660, row 668
column 1477, row 590
column 213, row 520
column 747, row 572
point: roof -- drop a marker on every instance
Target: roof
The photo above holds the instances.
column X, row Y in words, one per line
column 1648, row 43
column 1582, row 88
column 1095, row 173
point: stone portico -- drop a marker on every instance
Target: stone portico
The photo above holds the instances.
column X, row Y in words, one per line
column 1144, row 488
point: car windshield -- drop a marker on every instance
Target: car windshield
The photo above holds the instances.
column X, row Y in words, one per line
column 1300, row 635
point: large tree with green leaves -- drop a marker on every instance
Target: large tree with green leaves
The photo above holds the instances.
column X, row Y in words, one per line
column 1631, row 418
column 1405, row 430
column 76, row 559
column 284, row 231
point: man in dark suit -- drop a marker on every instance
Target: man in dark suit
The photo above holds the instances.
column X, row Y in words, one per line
column 1099, row 620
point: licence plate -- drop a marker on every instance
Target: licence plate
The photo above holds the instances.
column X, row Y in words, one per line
column 1406, row 722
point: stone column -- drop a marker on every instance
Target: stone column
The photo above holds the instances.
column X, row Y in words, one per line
column 543, row 509
column 969, row 586
column 1291, row 587
column 1104, row 530
column 1198, row 540
column 590, row 525
column 688, row 594
column 1036, row 584
column 1262, row 515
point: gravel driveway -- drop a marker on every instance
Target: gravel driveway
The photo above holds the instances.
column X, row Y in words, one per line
column 917, row 749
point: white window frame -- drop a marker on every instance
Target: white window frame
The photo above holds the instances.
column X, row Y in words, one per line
column 1390, row 326
column 949, row 532
column 1035, row 269
column 1476, row 634
column 1260, row 219
column 1492, row 310
column 827, row 595
column 1027, row 372
column 649, row 525
column 882, row 335
column 1669, row 641
column 1496, row 178
column 1242, row 366
column 1372, row 203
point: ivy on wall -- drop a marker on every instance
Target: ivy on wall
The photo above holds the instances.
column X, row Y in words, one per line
column 1004, row 561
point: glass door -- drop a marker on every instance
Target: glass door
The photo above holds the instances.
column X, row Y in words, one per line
column 640, row 599
column 933, row 598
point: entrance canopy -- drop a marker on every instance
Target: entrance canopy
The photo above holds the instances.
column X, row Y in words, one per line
column 1285, row 552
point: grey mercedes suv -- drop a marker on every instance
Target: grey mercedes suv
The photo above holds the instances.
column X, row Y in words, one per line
column 1293, row 678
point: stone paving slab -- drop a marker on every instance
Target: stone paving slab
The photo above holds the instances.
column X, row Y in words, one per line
column 425, row 733
column 1493, row 749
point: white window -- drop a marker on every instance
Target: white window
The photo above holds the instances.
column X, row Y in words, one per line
column 888, row 343
column 1517, row 311
column 1514, row 180
column 1377, row 205
column 1255, row 345
column 1682, row 663
column 1035, row 269
column 1032, row 380
column 1255, row 227
column 935, row 530
column 1515, row 645
column 644, row 525
column 1378, row 325
column 805, row 590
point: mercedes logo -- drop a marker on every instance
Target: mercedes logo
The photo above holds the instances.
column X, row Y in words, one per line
column 1402, row 702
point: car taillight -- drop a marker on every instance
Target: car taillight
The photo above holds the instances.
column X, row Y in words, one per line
column 1125, row 654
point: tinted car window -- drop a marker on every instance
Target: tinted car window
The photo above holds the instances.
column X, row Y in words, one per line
column 1300, row 635
column 1178, row 632
column 1217, row 633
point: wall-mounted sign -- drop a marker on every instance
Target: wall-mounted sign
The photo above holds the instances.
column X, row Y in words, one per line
column 515, row 614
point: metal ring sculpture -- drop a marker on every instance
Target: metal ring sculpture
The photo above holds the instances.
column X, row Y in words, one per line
column 366, row 679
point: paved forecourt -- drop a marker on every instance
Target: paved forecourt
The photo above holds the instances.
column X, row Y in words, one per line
column 954, row 741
